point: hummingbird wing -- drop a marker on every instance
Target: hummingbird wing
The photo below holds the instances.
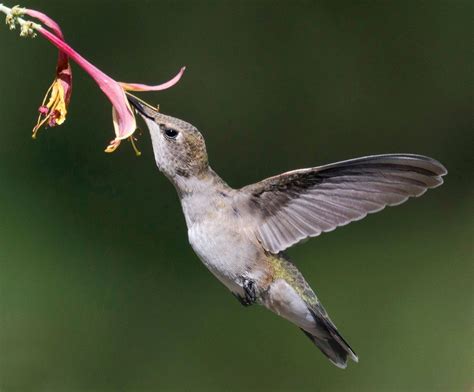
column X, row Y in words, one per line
column 304, row 203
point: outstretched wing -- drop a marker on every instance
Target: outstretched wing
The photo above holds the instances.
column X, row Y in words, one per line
column 304, row 203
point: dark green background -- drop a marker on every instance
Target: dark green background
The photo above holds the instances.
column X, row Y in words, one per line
column 99, row 289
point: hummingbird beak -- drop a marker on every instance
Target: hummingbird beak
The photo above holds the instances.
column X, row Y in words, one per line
column 143, row 108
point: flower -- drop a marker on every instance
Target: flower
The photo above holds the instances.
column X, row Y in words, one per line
column 54, row 111
column 123, row 115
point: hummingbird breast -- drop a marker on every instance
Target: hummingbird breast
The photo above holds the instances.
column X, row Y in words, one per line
column 218, row 237
column 224, row 250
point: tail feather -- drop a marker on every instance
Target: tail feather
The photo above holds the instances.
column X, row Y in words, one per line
column 290, row 296
column 332, row 345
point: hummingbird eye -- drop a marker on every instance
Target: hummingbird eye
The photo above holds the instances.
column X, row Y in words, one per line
column 170, row 133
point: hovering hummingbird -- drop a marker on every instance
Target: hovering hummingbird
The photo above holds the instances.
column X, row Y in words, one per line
column 240, row 234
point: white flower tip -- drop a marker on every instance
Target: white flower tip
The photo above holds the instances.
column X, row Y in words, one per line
column 113, row 145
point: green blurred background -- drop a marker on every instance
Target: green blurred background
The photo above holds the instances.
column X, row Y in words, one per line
column 99, row 289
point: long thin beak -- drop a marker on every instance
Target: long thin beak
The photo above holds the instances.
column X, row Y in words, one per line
column 142, row 107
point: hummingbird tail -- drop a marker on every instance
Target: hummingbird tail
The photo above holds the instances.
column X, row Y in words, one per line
column 333, row 345
column 290, row 296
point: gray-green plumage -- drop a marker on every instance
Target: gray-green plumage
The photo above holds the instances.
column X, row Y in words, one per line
column 240, row 234
column 329, row 341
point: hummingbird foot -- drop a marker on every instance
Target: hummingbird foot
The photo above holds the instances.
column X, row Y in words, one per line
column 250, row 293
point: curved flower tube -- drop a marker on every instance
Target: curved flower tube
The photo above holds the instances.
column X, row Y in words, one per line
column 123, row 115
column 54, row 111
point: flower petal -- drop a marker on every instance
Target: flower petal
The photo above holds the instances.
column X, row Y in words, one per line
column 125, row 118
column 54, row 112
column 46, row 20
column 63, row 69
column 146, row 87
column 123, row 115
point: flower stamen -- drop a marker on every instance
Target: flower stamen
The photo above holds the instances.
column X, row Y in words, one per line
column 54, row 112
column 134, row 146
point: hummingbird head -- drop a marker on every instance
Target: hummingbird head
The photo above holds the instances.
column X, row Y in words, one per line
column 179, row 148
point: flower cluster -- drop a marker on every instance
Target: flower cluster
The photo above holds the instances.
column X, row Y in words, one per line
column 53, row 109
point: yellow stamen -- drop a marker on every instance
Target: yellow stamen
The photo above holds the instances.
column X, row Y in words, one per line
column 41, row 121
column 56, row 105
column 57, row 102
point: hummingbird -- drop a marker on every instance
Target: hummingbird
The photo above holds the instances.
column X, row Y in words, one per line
column 240, row 235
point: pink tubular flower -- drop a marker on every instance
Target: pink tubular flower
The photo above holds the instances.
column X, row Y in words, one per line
column 123, row 116
column 54, row 111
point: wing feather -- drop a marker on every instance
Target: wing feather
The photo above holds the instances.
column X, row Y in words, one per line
column 304, row 203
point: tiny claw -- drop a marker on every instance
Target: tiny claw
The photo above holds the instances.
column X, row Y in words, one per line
column 250, row 291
